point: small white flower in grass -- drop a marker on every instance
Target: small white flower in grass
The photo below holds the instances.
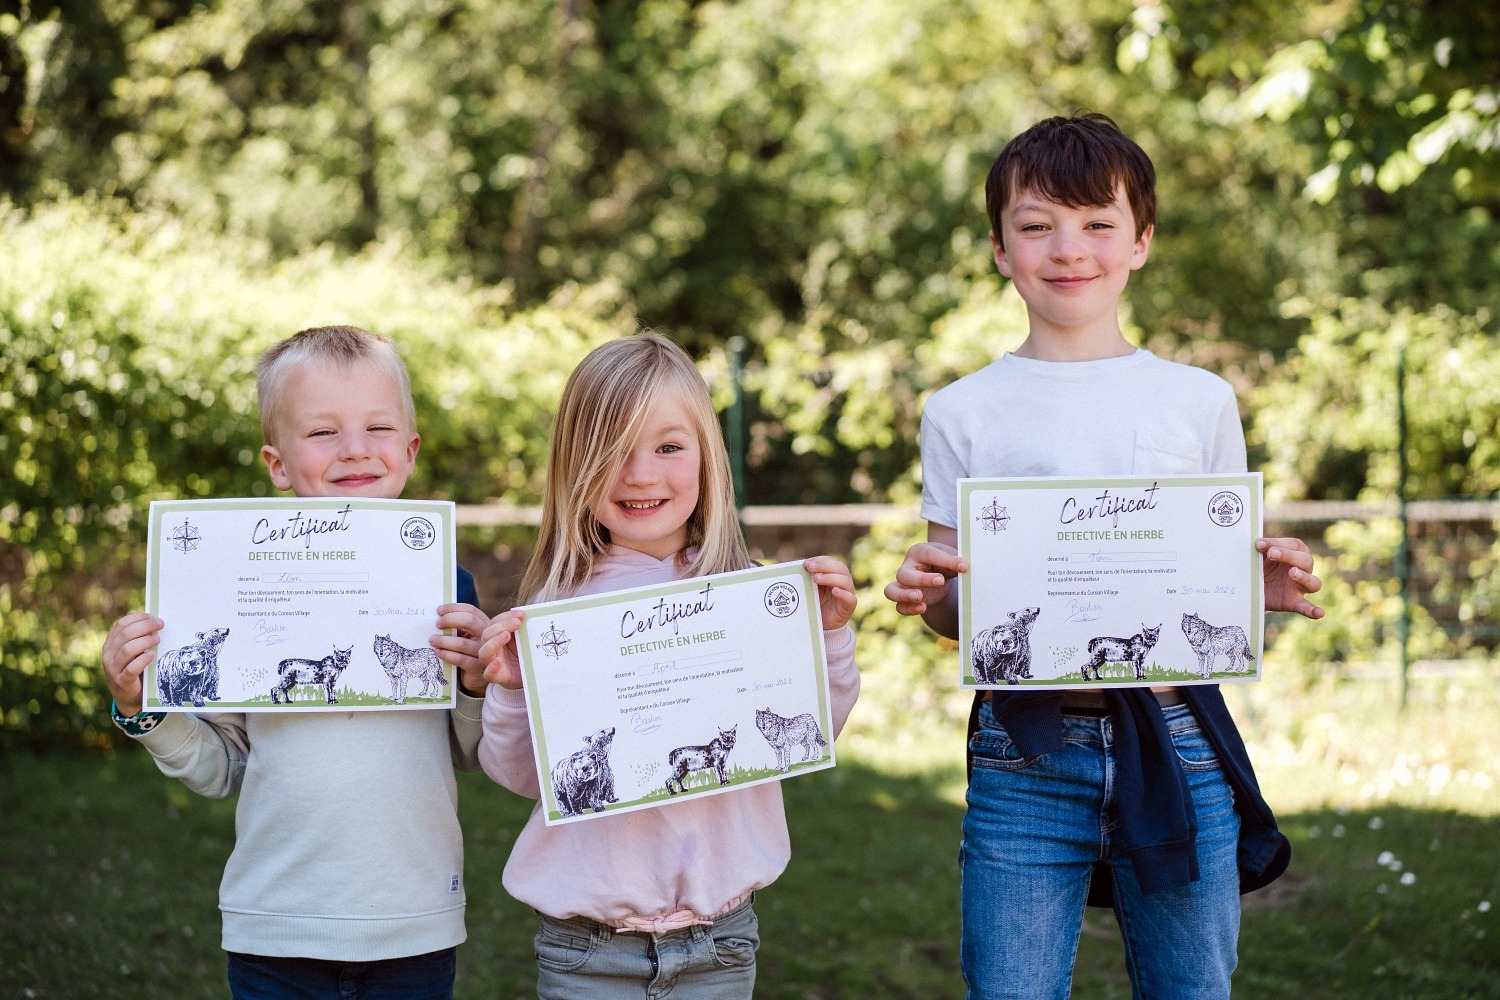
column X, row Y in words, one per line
column 1408, row 878
column 1386, row 857
column 1338, row 831
column 1376, row 822
column 1484, row 906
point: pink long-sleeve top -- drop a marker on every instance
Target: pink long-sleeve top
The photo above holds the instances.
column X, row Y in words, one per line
column 653, row 869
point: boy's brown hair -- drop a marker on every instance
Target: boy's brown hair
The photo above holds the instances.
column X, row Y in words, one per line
column 340, row 346
column 1077, row 162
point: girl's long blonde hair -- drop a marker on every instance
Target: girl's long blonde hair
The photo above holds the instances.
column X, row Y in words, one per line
column 607, row 401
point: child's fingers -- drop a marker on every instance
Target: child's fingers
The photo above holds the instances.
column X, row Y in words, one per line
column 908, row 601
column 503, row 671
column 931, row 557
column 462, row 618
column 456, row 649
column 124, row 639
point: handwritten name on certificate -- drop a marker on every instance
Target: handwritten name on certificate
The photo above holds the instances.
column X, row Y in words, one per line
column 1114, row 582
column 642, row 697
column 299, row 604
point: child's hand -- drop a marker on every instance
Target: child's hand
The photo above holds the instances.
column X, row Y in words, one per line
column 462, row 647
column 922, row 580
column 497, row 650
column 836, row 598
column 128, row 648
column 1288, row 575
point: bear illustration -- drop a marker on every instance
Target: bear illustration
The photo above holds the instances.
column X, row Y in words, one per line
column 1002, row 654
column 189, row 675
column 584, row 780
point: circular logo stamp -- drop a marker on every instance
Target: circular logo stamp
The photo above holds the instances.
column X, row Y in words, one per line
column 1225, row 508
column 418, row 533
column 782, row 599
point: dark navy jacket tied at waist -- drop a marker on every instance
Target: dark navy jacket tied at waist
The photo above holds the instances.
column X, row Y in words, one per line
column 1157, row 824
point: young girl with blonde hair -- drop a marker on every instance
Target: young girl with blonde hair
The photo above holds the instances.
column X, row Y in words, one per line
column 639, row 493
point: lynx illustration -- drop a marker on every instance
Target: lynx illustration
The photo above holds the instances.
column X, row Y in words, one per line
column 295, row 670
column 1107, row 649
column 190, row 674
column 783, row 734
column 1208, row 641
column 402, row 664
column 584, row 780
column 1003, row 653
column 685, row 760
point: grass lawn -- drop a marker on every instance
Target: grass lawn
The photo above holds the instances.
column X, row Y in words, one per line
column 111, row 872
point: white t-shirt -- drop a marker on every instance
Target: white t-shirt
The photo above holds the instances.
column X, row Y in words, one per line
column 1131, row 415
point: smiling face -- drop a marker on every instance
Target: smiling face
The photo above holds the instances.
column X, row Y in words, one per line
column 341, row 430
column 648, row 505
column 1070, row 266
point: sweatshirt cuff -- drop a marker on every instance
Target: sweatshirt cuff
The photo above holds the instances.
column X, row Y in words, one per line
column 468, row 706
column 839, row 639
column 507, row 698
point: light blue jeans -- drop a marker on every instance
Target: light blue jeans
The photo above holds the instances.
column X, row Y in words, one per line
column 585, row 960
column 1033, row 831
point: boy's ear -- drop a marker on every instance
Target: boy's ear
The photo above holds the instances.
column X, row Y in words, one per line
column 1142, row 248
column 1000, row 259
column 275, row 466
column 411, row 452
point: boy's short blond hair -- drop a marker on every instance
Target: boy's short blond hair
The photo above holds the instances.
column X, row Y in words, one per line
column 338, row 346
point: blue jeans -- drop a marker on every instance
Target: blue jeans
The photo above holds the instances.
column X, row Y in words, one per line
column 1032, row 834
column 419, row 977
column 584, row 960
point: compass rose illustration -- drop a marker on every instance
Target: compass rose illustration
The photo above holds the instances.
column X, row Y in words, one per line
column 185, row 537
column 555, row 642
column 994, row 517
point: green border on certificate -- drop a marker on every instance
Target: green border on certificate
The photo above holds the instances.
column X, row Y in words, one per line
column 638, row 698
column 1111, row 582
column 299, row 604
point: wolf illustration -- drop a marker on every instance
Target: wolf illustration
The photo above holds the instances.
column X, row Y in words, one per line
column 1003, row 653
column 189, row 675
column 296, row 670
column 402, row 664
column 713, row 756
column 1208, row 641
column 783, row 734
column 1108, row 649
column 584, row 779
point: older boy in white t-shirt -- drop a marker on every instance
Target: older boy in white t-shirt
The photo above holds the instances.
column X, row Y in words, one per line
column 1140, row 799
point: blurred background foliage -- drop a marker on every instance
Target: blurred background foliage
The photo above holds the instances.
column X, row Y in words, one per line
column 499, row 184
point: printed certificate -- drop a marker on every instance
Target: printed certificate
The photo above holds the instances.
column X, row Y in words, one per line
column 299, row 604
column 642, row 697
column 1073, row 583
